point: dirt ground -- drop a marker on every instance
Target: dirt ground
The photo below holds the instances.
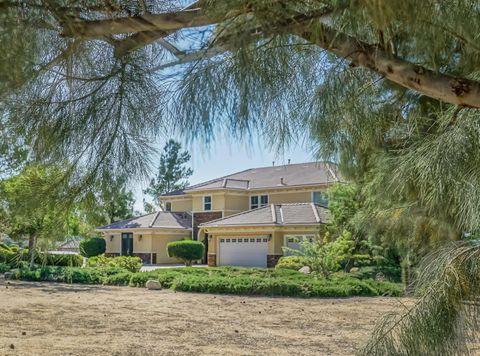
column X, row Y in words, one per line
column 59, row 319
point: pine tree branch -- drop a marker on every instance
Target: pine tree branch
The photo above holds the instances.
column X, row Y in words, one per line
column 445, row 88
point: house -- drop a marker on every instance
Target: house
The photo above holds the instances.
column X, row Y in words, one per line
column 244, row 218
column 147, row 236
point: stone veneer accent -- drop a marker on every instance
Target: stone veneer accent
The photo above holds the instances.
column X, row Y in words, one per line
column 272, row 260
column 212, row 260
column 200, row 218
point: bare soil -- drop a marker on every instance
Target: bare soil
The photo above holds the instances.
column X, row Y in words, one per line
column 59, row 319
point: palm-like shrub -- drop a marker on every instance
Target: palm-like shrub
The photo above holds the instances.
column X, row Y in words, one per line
column 186, row 251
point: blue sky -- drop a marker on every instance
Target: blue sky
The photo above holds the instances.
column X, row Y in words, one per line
column 228, row 156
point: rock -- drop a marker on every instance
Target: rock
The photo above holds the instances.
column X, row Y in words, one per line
column 7, row 275
column 24, row 333
column 354, row 269
column 305, row 269
column 380, row 277
column 153, row 285
column 12, row 346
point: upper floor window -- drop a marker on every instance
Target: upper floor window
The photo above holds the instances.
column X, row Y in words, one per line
column 168, row 206
column 207, row 202
column 257, row 201
column 320, row 198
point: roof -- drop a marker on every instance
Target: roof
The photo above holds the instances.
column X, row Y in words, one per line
column 289, row 175
column 160, row 219
column 276, row 215
column 70, row 244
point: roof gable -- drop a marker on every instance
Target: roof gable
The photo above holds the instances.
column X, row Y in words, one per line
column 276, row 214
column 160, row 219
column 290, row 175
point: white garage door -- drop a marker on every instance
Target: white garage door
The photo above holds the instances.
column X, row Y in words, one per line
column 243, row 251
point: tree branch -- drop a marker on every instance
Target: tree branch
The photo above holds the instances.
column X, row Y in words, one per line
column 448, row 89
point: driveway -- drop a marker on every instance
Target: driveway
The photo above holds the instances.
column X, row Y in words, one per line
column 148, row 268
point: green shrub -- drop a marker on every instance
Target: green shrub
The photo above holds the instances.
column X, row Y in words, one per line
column 118, row 279
column 291, row 262
column 93, row 246
column 4, row 267
column 48, row 259
column 132, row 264
column 186, row 250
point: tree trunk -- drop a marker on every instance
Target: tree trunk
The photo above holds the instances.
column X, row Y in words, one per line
column 32, row 246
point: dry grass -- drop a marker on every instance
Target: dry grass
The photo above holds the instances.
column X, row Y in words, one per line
column 58, row 319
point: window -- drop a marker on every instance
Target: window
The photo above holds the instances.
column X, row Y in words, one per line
column 320, row 198
column 254, row 202
column 168, row 206
column 257, row 201
column 207, row 202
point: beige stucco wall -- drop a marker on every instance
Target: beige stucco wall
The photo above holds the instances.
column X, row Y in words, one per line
column 114, row 245
column 236, row 203
column 181, row 205
column 159, row 246
column 151, row 242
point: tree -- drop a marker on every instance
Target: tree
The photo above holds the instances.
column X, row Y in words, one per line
column 32, row 206
column 109, row 201
column 172, row 173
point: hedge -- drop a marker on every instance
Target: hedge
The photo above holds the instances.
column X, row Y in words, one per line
column 130, row 263
column 186, row 250
column 221, row 280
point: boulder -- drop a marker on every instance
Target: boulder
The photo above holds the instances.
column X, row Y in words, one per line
column 305, row 270
column 153, row 285
column 7, row 275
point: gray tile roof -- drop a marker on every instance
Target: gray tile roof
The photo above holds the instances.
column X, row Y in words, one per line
column 271, row 177
column 277, row 215
column 161, row 219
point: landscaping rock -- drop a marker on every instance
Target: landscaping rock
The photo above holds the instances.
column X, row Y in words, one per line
column 305, row 270
column 153, row 285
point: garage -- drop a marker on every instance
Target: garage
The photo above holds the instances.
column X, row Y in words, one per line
column 243, row 251
column 293, row 242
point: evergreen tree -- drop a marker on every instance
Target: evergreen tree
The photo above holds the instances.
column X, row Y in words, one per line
column 172, row 173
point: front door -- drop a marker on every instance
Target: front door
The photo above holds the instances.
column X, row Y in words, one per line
column 127, row 244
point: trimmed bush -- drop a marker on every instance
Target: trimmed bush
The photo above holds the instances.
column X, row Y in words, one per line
column 92, row 246
column 132, row 264
column 291, row 262
column 186, row 251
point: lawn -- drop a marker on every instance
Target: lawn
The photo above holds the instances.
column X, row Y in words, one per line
column 63, row 319
column 221, row 280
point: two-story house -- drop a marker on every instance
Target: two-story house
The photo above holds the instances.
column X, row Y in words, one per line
column 244, row 218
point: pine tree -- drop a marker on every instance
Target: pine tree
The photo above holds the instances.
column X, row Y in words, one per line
column 172, row 174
